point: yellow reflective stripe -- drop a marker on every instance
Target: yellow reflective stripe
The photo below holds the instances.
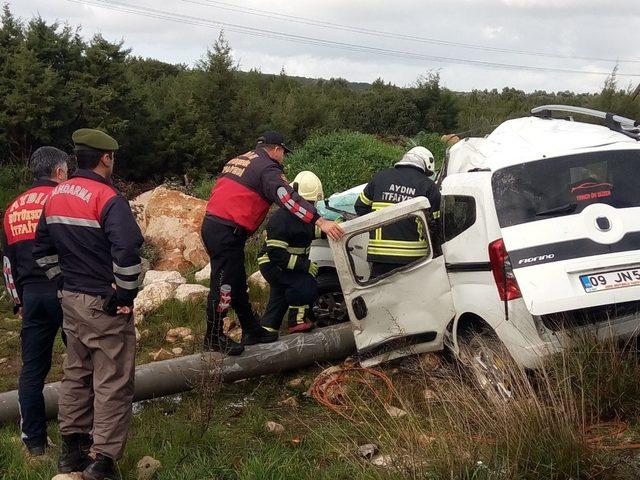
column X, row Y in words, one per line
column 318, row 232
column 381, row 205
column 399, row 243
column 263, row 259
column 399, row 252
column 292, row 262
column 436, row 214
column 364, row 199
column 277, row 243
column 301, row 309
column 299, row 250
column 378, row 234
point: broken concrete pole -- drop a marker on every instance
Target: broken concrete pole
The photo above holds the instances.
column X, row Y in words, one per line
column 176, row 375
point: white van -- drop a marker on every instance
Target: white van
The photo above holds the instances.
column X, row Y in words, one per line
column 540, row 240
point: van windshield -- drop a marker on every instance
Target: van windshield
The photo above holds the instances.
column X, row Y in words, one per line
column 561, row 186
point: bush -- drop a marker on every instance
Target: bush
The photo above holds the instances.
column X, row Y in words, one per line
column 342, row 159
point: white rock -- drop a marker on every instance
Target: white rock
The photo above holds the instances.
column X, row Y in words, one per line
column 382, row 460
column 274, row 427
column 161, row 354
column 3, row 360
column 152, row 297
column 368, row 450
column 191, row 292
column 204, row 274
column 395, row 412
column 258, row 280
column 177, row 351
column 178, row 333
column 68, row 476
column 155, row 276
column 194, row 251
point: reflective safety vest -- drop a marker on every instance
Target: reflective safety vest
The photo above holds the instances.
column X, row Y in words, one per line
column 403, row 241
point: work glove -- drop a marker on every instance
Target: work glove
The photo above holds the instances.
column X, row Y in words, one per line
column 313, row 269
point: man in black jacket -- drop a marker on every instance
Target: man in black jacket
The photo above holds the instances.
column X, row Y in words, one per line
column 88, row 233
column 404, row 241
column 34, row 293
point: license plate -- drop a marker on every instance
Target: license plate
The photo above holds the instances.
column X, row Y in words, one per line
column 596, row 282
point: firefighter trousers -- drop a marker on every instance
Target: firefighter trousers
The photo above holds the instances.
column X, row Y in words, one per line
column 294, row 291
column 96, row 391
column 225, row 246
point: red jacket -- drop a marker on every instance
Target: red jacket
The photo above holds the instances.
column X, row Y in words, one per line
column 88, row 232
column 247, row 187
column 19, row 231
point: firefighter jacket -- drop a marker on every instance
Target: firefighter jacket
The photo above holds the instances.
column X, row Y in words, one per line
column 19, row 231
column 403, row 241
column 288, row 243
column 247, row 187
column 88, row 233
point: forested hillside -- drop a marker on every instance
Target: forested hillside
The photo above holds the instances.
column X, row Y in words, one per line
column 174, row 119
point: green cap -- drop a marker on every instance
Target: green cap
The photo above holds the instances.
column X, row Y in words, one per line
column 91, row 138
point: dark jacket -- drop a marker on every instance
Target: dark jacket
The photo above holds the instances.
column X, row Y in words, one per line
column 247, row 187
column 19, row 231
column 404, row 241
column 89, row 233
column 288, row 243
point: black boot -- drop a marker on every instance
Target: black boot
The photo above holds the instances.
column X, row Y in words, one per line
column 223, row 344
column 258, row 335
column 74, row 456
column 102, row 468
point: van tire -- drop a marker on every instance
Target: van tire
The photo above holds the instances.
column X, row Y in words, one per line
column 489, row 366
column 330, row 308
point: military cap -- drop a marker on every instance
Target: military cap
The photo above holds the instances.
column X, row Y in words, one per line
column 91, row 138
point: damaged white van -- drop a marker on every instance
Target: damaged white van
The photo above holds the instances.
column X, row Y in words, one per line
column 539, row 240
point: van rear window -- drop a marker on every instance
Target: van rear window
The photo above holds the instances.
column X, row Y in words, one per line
column 566, row 185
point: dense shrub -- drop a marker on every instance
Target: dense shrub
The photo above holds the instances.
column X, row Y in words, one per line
column 342, row 159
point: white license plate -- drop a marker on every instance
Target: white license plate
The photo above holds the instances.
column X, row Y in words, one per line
column 596, row 282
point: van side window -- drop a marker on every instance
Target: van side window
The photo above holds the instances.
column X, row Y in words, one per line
column 459, row 213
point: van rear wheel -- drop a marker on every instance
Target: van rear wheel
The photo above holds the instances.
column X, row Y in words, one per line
column 329, row 308
column 489, row 365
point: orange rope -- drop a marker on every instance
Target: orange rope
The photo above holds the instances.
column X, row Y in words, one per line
column 598, row 434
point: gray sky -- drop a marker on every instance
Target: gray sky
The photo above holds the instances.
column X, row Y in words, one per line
column 595, row 30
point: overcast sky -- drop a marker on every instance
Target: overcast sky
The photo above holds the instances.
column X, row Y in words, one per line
column 598, row 32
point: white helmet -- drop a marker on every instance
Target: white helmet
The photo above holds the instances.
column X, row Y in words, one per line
column 419, row 157
column 309, row 186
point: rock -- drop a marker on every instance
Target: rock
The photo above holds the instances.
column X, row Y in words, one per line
column 147, row 468
column 428, row 394
column 194, row 251
column 151, row 297
column 297, row 384
column 155, row 276
column 368, row 450
column 203, row 274
column 274, row 427
column 138, row 335
column 138, row 206
column 232, row 329
column 191, row 292
column 68, row 476
column 395, row 412
column 177, row 351
column 382, row 460
column 256, row 279
column 3, row 360
column 161, row 354
column 290, row 402
column 450, row 139
column 169, row 220
column 178, row 333
column 189, row 338
column 146, row 266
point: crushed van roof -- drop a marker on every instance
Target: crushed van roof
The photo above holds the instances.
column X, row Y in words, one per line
column 531, row 138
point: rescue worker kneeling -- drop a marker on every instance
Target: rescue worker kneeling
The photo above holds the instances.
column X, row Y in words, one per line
column 284, row 263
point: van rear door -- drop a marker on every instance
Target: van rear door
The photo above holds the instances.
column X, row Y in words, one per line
column 571, row 227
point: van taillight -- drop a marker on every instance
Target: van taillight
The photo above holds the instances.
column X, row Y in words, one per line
column 502, row 271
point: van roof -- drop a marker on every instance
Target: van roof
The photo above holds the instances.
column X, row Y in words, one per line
column 532, row 138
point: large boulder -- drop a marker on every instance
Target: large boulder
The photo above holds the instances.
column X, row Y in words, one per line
column 191, row 292
column 171, row 220
column 203, row 274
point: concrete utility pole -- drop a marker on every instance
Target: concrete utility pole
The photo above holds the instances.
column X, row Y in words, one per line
column 169, row 377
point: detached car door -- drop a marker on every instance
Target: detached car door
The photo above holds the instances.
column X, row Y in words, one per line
column 404, row 311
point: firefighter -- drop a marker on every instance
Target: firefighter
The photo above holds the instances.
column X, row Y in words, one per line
column 239, row 203
column 35, row 295
column 284, row 263
column 88, row 233
column 404, row 241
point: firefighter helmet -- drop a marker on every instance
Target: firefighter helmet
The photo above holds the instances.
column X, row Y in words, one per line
column 419, row 157
column 308, row 186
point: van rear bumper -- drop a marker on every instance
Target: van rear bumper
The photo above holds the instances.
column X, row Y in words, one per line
column 531, row 352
